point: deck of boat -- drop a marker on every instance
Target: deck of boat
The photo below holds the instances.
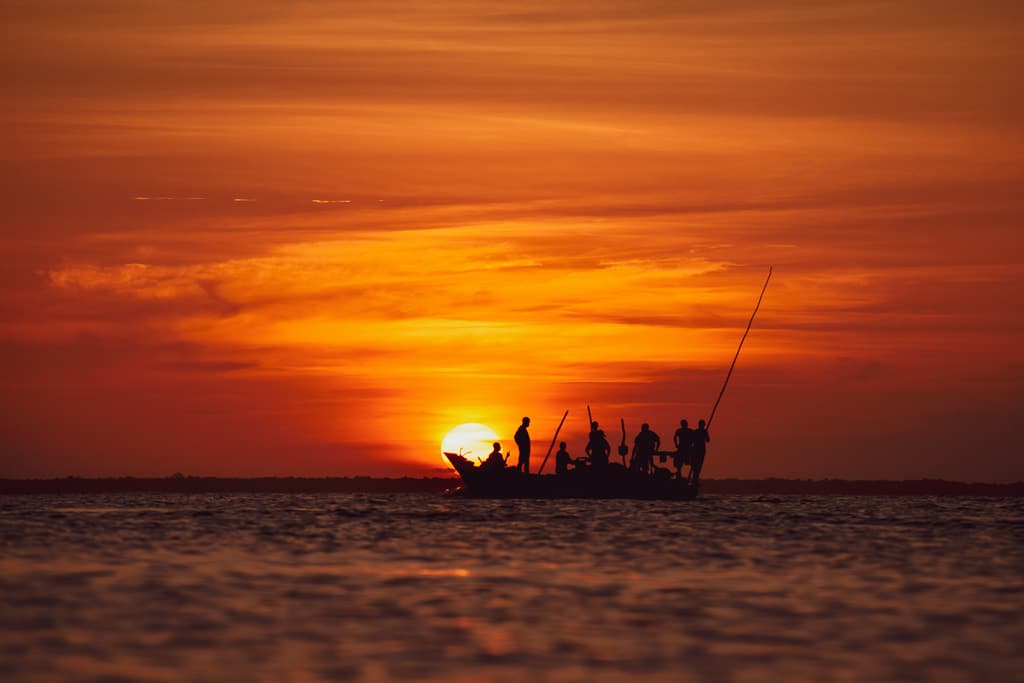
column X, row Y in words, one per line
column 614, row 482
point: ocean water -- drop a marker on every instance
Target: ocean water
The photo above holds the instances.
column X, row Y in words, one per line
column 420, row 587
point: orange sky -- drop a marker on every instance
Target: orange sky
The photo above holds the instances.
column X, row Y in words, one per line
column 270, row 238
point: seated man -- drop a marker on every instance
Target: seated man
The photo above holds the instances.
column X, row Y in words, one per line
column 494, row 461
column 563, row 461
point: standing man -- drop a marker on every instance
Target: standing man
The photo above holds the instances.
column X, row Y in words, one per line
column 523, row 443
column 598, row 448
column 645, row 445
column 700, row 440
column 684, row 445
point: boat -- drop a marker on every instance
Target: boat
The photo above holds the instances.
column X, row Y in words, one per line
column 610, row 481
column 614, row 481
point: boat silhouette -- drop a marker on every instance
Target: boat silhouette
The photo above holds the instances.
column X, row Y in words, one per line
column 612, row 481
column 601, row 479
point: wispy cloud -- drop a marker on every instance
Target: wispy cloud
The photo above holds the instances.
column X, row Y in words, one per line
column 168, row 199
column 451, row 212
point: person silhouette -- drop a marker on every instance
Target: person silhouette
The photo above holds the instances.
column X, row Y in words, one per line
column 494, row 461
column 563, row 460
column 645, row 445
column 684, row 446
column 522, row 438
column 598, row 449
column 700, row 440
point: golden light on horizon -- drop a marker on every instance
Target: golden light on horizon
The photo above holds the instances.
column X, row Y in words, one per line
column 471, row 439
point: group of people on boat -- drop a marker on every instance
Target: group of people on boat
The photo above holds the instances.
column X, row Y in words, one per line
column 690, row 449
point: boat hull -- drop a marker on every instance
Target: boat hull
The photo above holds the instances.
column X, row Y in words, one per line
column 614, row 482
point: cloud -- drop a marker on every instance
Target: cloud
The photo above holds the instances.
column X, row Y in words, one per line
column 463, row 211
column 168, row 199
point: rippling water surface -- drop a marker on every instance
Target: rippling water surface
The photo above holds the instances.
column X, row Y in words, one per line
column 417, row 587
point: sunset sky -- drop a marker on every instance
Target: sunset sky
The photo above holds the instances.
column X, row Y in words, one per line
column 309, row 238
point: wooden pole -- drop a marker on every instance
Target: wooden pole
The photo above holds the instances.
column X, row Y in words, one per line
column 623, row 448
column 553, row 440
column 736, row 357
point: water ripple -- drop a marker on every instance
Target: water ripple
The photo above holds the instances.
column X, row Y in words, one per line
column 408, row 587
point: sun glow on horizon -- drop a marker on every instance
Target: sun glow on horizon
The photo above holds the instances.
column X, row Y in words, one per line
column 471, row 439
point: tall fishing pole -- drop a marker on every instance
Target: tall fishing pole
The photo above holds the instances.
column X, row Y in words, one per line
column 736, row 357
column 553, row 439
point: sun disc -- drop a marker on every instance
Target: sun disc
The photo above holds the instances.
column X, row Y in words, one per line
column 471, row 439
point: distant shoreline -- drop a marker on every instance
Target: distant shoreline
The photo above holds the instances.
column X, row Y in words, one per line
column 436, row 485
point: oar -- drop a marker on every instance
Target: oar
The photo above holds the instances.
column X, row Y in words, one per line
column 736, row 357
column 553, row 439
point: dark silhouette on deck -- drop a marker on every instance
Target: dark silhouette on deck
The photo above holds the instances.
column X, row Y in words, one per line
column 522, row 439
column 699, row 449
column 645, row 446
column 495, row 461
column 683, row 440
column 598, row 449
column 564, row 463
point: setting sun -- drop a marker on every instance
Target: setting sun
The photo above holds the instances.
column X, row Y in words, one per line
column 470, row 439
